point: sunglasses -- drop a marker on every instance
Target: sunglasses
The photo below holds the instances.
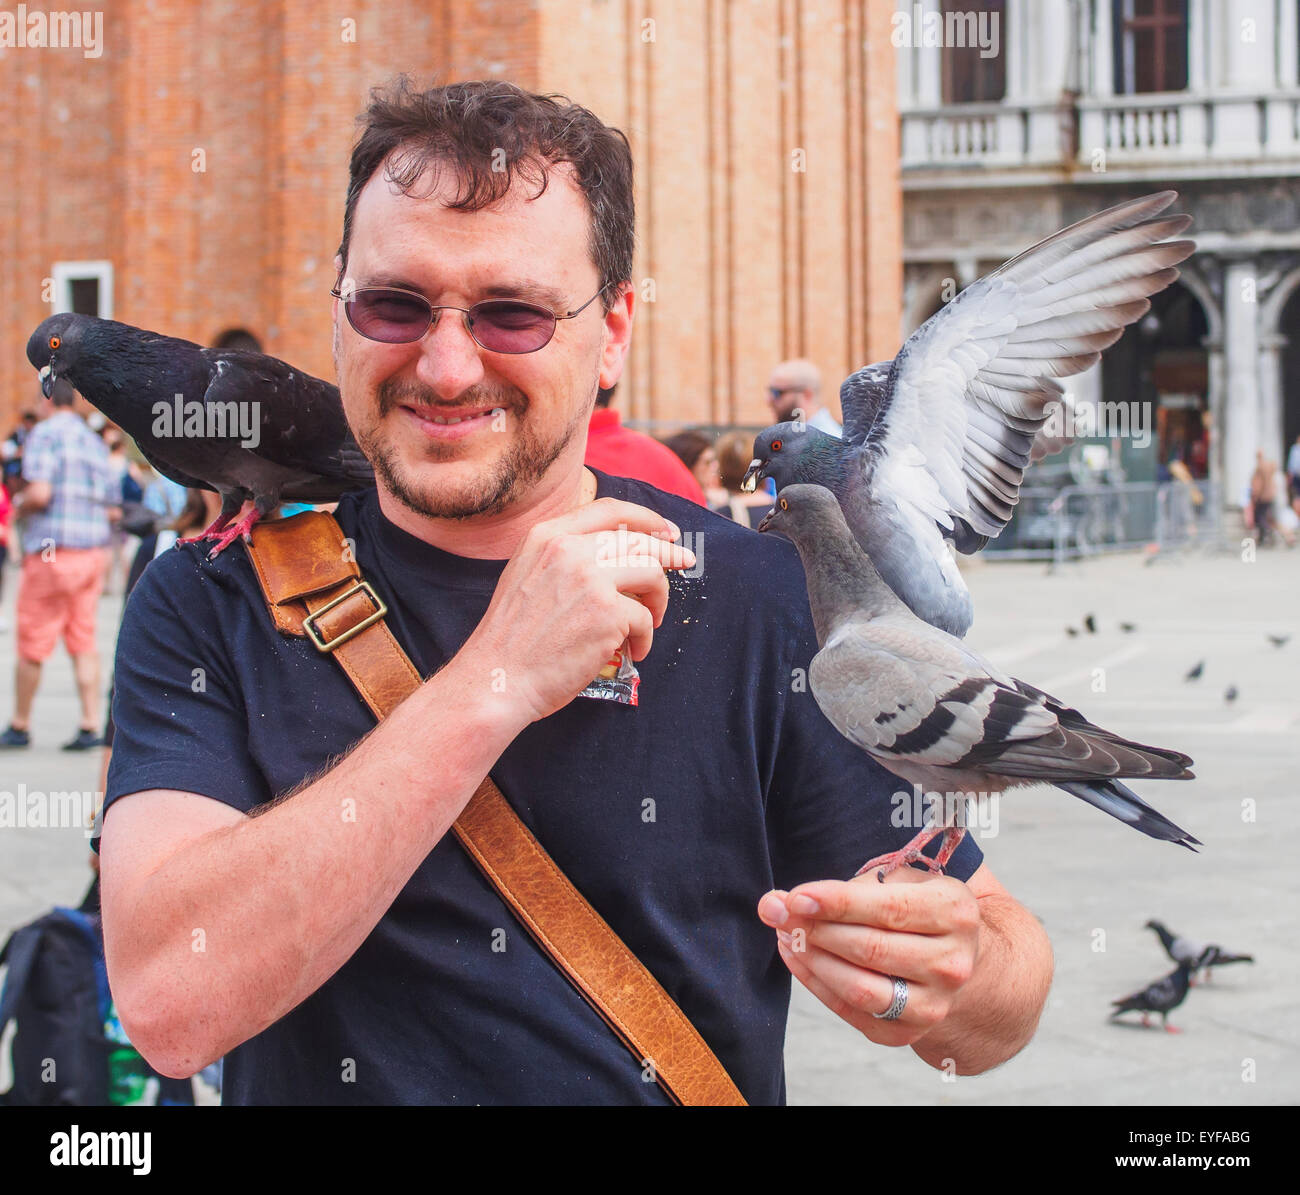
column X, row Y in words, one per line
column 393, row 316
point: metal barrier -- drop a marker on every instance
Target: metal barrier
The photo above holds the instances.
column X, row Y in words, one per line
column 1085, row 520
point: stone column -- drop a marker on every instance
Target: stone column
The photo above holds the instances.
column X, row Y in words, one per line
column 1281, row 128
column 1103, row 52
column 1240, row 426
column 1199, row 19
column 929, row 84
column 1248, row 68
column 1271, row 430
column 1288, row 69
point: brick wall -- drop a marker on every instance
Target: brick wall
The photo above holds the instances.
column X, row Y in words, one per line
column 204, row 154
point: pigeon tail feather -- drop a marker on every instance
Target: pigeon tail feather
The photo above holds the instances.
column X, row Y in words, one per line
column 1122, row 802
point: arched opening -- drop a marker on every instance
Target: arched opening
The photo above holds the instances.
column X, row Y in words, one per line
column 239, row 338
column 1288, row 325
column 1157, row 378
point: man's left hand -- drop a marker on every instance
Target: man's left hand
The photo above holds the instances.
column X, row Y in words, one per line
column 843, row 940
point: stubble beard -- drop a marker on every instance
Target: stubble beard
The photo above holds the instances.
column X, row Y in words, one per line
column 504, row 480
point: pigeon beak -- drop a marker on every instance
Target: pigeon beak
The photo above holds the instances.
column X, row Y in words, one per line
column 47, row 381
column 749, row 483
column 767, row 520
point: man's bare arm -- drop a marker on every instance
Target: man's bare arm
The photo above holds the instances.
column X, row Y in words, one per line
column 212, row 938
column 996, row 1011
column 283, row 899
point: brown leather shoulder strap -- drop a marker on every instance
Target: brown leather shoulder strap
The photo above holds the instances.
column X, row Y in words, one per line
column 313, row 587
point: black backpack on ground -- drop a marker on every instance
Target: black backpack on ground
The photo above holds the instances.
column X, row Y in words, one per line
column 56, row 989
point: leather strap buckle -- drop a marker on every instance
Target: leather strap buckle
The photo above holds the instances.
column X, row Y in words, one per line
column 313, row 632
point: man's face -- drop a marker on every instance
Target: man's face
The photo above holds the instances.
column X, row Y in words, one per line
column 521, row 415
column 785, row 396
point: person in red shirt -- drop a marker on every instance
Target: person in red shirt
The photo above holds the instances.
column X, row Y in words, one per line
column 613, row 448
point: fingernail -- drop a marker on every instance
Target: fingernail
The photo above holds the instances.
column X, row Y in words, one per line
column 805, row 906
column 776, row 911
column 785, row 936
column 673, row 529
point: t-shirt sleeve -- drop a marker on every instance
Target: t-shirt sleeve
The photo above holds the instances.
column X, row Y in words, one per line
column 180, row 720
column 831, row 807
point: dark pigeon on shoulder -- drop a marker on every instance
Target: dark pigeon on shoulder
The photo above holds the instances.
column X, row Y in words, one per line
column 251, row 427
column 1163, row 997
column 936, row 442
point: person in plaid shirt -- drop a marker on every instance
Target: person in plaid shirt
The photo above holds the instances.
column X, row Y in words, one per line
column 65, row 511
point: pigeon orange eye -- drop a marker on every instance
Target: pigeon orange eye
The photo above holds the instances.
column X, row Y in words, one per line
column 784, row 504
column 55, row 342
column 776, row 445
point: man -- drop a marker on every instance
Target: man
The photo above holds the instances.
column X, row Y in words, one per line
column 613, row 448
column 66, row 505
column 794, row 392
column 338, row 945
column 1263, row 501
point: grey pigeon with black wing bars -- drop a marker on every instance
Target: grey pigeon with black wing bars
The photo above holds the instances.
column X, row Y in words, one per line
column 934, row 712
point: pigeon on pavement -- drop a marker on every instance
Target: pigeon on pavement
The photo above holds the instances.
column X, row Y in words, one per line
column 1230, row 694
column 936, row 441
column 1216, row 956
column 249, row 426
column 1091, row 623
column 1163, row 997
column 1195, row 673
column 1128, row 627
column 935, row 713
column 1200, row 955
column 1279, row 640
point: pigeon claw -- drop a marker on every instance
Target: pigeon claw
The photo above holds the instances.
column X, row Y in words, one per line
column 243, row 529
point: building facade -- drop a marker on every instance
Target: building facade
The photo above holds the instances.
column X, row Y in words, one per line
column 1089, row 102
column 189, row 177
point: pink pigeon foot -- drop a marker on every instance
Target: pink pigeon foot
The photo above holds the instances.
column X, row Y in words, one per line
column 242, row 528
column 209, row 532
column 911, row 853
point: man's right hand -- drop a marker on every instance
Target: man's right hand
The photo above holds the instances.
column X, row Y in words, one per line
column 575, row 590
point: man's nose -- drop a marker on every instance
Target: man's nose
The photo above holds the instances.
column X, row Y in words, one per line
column 449, row 357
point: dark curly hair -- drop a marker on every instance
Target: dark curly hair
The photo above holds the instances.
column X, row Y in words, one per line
column 487, row 133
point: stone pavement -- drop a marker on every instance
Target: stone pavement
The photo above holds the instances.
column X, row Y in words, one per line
column 1089, row 879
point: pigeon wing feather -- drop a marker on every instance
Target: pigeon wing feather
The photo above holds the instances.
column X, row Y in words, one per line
column 973, row 389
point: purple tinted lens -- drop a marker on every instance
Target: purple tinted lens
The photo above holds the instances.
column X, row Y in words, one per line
column 505, row 327
column 391, row 316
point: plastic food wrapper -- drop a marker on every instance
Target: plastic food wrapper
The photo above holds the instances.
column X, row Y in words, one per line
column 618, row 679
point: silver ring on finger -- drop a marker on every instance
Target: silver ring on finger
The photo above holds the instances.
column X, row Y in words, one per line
column 899, row 1002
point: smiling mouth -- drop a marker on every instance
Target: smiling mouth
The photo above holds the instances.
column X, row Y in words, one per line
column 450, row 420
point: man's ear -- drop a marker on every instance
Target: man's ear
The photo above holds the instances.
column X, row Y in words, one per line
column 338, row 274
column 618, row 336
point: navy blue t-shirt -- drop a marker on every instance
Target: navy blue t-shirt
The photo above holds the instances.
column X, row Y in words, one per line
column 672, row 817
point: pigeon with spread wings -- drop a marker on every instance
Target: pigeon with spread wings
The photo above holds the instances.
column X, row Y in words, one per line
column 936, row 442
column 299, row 446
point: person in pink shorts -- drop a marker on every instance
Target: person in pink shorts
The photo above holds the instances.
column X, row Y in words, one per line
column 65, row 510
